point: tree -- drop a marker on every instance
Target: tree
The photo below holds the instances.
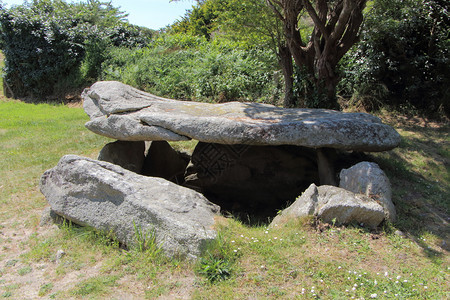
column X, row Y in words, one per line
column 253, row 21
column 249, row 22
column 201, row 19
column 336, row 26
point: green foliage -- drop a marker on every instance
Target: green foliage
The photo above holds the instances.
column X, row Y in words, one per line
column 25, row 270
column 45, row 43
column 252, row 24
column 214, row 268
column 201, row 19
column 306, row 92
column 145, row 240
column 45, row 289
column 403, row 56
column 218, row 260
column 187, row 67
column 95, row 286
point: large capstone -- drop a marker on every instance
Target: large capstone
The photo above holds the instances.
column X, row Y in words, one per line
column 115, row 200
column 122, row 112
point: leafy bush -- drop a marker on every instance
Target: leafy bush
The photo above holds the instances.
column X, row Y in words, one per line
column 40, row 48
column 403, row 56
column 46, row 42
column 186, row 67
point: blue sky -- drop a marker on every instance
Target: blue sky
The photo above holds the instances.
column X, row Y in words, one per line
column 153, row 14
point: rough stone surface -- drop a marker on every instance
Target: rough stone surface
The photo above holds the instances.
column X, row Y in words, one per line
column 128, row 155
column 112, row 199
column 251, row 179
column 333, row 204
column 367, row 178
column 122, row 112
column 163, row 161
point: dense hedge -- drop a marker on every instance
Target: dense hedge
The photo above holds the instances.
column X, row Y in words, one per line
column 51, row 46
column 403, row 58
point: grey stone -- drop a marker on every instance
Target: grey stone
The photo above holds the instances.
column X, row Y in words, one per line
column 125, row 113
column 59, row 254
column 367, row 178
column 399, row 233
column 344, row 207
column 334, row 205
column 163, row 161
column 49, row 217
column 127, row 154
column 118, row 201
column 304, row 205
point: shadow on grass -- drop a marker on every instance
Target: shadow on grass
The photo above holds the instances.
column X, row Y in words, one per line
column 419, row 172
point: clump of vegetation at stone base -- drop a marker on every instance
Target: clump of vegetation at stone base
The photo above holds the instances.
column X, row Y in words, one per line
column 218, row 260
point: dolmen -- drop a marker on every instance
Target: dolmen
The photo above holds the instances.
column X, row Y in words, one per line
column 250, row 159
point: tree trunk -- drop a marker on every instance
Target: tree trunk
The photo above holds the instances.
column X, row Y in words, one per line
column 336, row 28
column 285, row 60
column 327, row 81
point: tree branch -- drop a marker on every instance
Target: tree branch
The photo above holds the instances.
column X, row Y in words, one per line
column 316, row 19
column 274, row 9
column 334, row 16
column 348, row 6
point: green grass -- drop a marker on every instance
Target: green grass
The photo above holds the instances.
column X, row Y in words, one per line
column 33, row 138
column 291, row 261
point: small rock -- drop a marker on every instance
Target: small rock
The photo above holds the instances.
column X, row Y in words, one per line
column 50, row 217
column 399, row 233
column 59, row 254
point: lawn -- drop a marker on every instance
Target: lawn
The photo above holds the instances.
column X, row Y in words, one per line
column 303, row 259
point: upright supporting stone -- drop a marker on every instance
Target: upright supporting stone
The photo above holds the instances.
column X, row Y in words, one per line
column 163, row 161
column 127, row 154
column 325, row 157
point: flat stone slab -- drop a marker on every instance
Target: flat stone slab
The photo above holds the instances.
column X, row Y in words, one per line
column 122, row 112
